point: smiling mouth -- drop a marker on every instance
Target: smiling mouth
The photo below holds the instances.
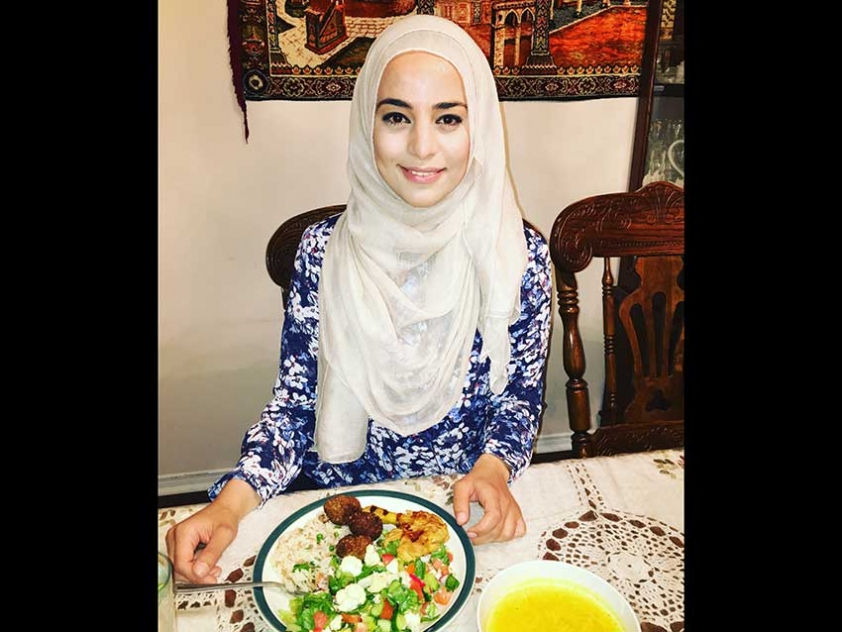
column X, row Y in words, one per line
column 422, row 175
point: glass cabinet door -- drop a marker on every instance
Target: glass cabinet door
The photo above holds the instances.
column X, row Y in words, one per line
column 658, row 152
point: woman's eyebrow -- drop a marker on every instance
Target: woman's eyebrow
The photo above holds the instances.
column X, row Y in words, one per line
column 396, row 102
column 444, row 105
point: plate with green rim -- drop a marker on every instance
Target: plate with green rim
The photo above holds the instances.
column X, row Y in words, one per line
column 463, row 566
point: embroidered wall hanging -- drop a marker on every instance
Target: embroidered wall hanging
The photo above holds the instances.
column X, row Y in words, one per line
column 538, row 49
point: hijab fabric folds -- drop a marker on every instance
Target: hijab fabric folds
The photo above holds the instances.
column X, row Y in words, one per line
column 403, row 289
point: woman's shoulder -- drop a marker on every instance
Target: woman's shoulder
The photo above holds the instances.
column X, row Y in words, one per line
column 315, row 236
column 535, row 239
column 322, row 228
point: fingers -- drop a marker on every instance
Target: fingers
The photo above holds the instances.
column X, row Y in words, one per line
column 180, row 562
column 205, row 566
column 488, row 528
column 462, row 502
column 182, row 541
column 503, row 530
column 502, row 519
column 196, row 544
column 499, row 526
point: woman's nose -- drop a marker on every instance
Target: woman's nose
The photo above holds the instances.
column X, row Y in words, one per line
column 422, row 140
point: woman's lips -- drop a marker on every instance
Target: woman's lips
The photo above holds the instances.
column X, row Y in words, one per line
column 422, row 176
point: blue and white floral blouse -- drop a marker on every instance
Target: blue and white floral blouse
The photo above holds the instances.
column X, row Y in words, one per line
column 278, row 446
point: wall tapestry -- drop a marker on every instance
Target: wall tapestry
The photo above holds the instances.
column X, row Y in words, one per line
column 538, row 49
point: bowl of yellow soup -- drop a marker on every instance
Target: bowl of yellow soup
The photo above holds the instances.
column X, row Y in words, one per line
column 548, row 595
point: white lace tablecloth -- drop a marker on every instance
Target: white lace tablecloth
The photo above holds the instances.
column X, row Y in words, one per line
column 621, row 517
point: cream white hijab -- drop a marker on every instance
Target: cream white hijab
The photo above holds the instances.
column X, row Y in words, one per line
column 403, row 289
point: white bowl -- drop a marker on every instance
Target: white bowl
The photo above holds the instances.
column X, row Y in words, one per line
column 508, row 579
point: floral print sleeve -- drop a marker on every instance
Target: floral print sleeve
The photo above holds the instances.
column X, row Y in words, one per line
column 511, row 429
column 280, row 445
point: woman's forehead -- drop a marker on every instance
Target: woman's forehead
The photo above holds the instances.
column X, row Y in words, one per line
column 416, row 70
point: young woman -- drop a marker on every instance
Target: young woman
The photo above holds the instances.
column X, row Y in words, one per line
column 416, row 332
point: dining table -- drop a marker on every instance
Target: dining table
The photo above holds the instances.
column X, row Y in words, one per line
column 620, row 517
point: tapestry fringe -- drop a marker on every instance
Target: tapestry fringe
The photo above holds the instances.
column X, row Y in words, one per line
column 235, row 47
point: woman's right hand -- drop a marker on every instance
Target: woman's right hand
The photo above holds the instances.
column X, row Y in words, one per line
column 215, row 527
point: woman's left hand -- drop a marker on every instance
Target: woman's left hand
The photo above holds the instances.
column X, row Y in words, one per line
column 487, row 484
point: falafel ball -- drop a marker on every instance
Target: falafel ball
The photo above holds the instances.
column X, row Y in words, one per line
column 340, row 508
column 353, row 545
column 366, row 523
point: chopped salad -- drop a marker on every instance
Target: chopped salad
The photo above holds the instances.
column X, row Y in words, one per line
column 380, row 593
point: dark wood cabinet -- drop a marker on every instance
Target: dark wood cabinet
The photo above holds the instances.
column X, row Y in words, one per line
column 658, row 150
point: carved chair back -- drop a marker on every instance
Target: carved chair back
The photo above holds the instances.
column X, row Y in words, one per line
column 643, row 320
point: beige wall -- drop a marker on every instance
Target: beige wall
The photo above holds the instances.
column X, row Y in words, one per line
column 220, row 199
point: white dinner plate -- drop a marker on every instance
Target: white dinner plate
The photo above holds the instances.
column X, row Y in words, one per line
column 269, row 601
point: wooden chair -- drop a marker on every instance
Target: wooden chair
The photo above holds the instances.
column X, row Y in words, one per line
column 280, row 251
column 643, row 397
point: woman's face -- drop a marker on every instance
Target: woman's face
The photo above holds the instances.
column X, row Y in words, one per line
column 421, row 140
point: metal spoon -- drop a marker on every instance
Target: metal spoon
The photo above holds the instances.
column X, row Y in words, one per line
column 179, row 588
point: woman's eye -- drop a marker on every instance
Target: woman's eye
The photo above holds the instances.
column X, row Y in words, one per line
column 450, row 120
column 394, row 118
